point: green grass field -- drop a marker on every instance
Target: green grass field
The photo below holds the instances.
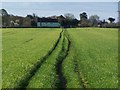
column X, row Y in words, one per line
column 95, row 55
column 22, row 48
column 56, row 58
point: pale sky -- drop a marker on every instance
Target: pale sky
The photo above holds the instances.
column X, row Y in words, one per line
column 102, row 9
column 60, row 0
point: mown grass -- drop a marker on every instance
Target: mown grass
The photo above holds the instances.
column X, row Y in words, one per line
column 20, row 56
column 96, row 51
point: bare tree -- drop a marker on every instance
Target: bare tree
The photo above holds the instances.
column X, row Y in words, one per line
column 94, row 19
column 69, row 16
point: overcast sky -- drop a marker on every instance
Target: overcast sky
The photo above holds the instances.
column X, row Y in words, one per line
column 102, row 9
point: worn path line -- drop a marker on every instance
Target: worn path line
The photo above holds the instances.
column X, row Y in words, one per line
column 25, row 81
column 63, row 54
column 81, row 79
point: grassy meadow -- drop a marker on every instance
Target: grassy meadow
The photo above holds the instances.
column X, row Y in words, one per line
column 22, row 48
column 95, row 53
column 59, row 58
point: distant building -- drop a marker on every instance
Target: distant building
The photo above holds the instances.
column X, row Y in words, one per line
column 48, row 22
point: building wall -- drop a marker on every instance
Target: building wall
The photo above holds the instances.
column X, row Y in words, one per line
column 48, row 24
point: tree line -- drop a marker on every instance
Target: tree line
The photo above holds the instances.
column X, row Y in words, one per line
column 66, row 20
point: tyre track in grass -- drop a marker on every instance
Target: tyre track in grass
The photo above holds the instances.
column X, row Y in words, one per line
column 61, row 84
column 28, row 40
column 23, row 42
column 23, row 83
column 82, row 81
column 46, row 75
column 6, row 33
column 81, row 78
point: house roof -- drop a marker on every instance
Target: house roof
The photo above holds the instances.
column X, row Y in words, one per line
column 61, row 16
column 47, row 20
